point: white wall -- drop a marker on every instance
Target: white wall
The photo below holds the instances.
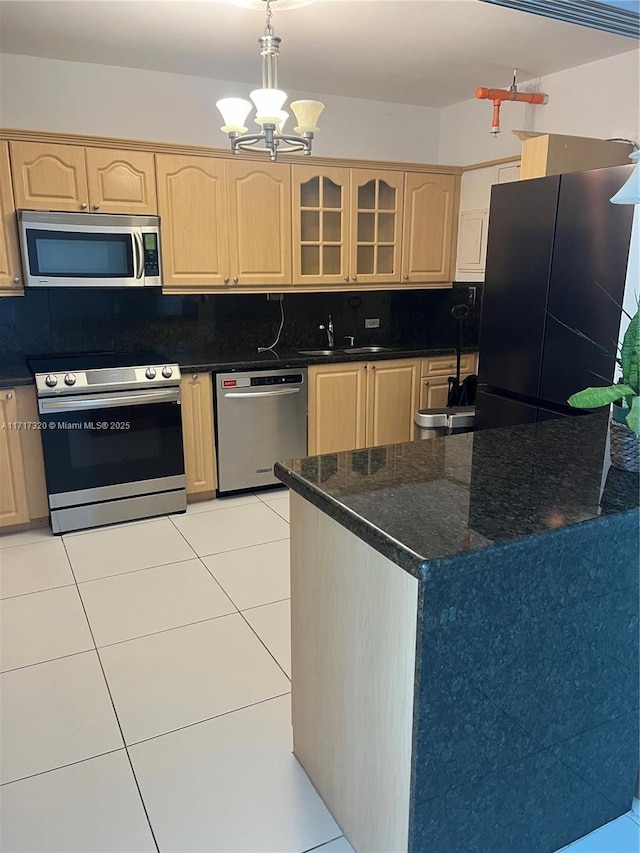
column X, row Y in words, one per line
column 72, row 97
column 600, row 99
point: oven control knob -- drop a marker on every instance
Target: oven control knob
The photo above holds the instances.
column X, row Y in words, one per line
column 70, row 379
column 150, row 373
column 167, row 372
column 51, row 380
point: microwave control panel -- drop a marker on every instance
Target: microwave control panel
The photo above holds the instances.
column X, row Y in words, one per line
column 151, row 260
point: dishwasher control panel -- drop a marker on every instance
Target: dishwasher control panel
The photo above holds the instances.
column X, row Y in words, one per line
column 253, row 381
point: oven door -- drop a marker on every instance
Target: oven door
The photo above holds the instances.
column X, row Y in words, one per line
column 100, row 447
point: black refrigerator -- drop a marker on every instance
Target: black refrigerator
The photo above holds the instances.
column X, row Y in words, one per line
column 553, row 244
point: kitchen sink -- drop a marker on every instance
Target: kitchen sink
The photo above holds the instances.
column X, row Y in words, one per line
column 359, row 350
column 352, row 350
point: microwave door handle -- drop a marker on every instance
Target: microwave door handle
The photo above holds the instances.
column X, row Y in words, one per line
column 138, row 254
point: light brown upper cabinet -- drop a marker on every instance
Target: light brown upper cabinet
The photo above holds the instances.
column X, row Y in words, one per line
column 429, row 232
column 259, row 222
column 224, row 222
column 121, row 181
column 70, row 177
column 321, row 220
column 347, row 225
column 49, row 177
column 192, row 202
column 376, row 225
column 10, row 271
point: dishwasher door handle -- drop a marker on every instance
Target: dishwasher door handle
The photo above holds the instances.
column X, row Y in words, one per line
column 238, row 395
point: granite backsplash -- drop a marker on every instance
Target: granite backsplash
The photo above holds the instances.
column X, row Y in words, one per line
column 49, row 321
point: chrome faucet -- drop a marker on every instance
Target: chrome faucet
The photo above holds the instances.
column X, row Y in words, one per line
column 329, row 330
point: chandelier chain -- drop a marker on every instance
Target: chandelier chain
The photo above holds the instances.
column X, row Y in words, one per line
column 269, row 15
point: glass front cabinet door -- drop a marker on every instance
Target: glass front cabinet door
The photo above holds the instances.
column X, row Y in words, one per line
column 321, row 225
column 376, row 226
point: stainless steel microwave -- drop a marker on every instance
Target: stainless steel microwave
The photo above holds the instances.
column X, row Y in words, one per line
column 89, row 249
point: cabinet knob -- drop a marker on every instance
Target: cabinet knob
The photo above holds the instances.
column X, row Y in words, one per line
column 235, row 279
column 195, row 377
column 16, row 280
column 226, row 279
column 9, row 396
column 96, row 207
column 83, row 206
column 354, row 278
column 406, row 277
column 373, row 367
column 364, row 366
column 346, row 278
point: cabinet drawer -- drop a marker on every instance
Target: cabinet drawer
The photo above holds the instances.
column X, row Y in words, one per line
column 445, row 365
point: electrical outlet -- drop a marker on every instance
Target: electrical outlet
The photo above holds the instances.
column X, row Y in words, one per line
column 372, row 323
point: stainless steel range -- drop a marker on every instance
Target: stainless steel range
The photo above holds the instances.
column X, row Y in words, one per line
column 112, row 438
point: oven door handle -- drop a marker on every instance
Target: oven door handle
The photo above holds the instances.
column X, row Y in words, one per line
column 109, row 401
column 247, row 395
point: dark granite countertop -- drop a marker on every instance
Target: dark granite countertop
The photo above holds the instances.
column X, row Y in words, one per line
column 17, row 373
column 423, row 502
column 250, row 359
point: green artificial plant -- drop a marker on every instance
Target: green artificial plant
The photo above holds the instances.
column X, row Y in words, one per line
column 627, row 390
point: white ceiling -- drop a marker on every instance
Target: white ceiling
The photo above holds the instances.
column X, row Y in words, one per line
column 427, row 52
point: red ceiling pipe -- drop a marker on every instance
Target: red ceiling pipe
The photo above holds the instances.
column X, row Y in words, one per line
column 500, row 95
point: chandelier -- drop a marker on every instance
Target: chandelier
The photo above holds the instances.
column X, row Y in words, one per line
column 269, row 102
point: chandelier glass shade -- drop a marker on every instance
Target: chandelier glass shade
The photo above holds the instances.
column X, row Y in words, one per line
column 270, row 115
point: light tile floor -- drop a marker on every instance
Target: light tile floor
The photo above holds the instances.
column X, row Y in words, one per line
column 145, row 694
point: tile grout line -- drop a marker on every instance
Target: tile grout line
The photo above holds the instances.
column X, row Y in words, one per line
column 131, row 571
column 48, row 660
column 324, row 844
column 266, row 604
column 113, row 705
column 265, row 646
column 61, row 767
column 208, row 719
column 165, row 630
column 36, row 591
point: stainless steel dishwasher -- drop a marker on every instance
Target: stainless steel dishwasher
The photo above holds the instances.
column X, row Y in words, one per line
column 261, row 418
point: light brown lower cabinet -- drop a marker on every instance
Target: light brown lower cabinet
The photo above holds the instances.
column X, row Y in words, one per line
column 435, row 373
column 362, row 404
column 23, row 494
column 196, row 391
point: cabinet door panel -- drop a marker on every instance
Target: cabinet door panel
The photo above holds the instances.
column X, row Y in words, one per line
column 49, row 177
column 337, row 404
column 392, row 400
column 198, row 436
column 192, row 202
column 376, row 225
column 429, row 227
column 121, row 181
column 14, row 505
column 434, row 394
column 260, row 222
column 320, row 225
column 10, row 272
